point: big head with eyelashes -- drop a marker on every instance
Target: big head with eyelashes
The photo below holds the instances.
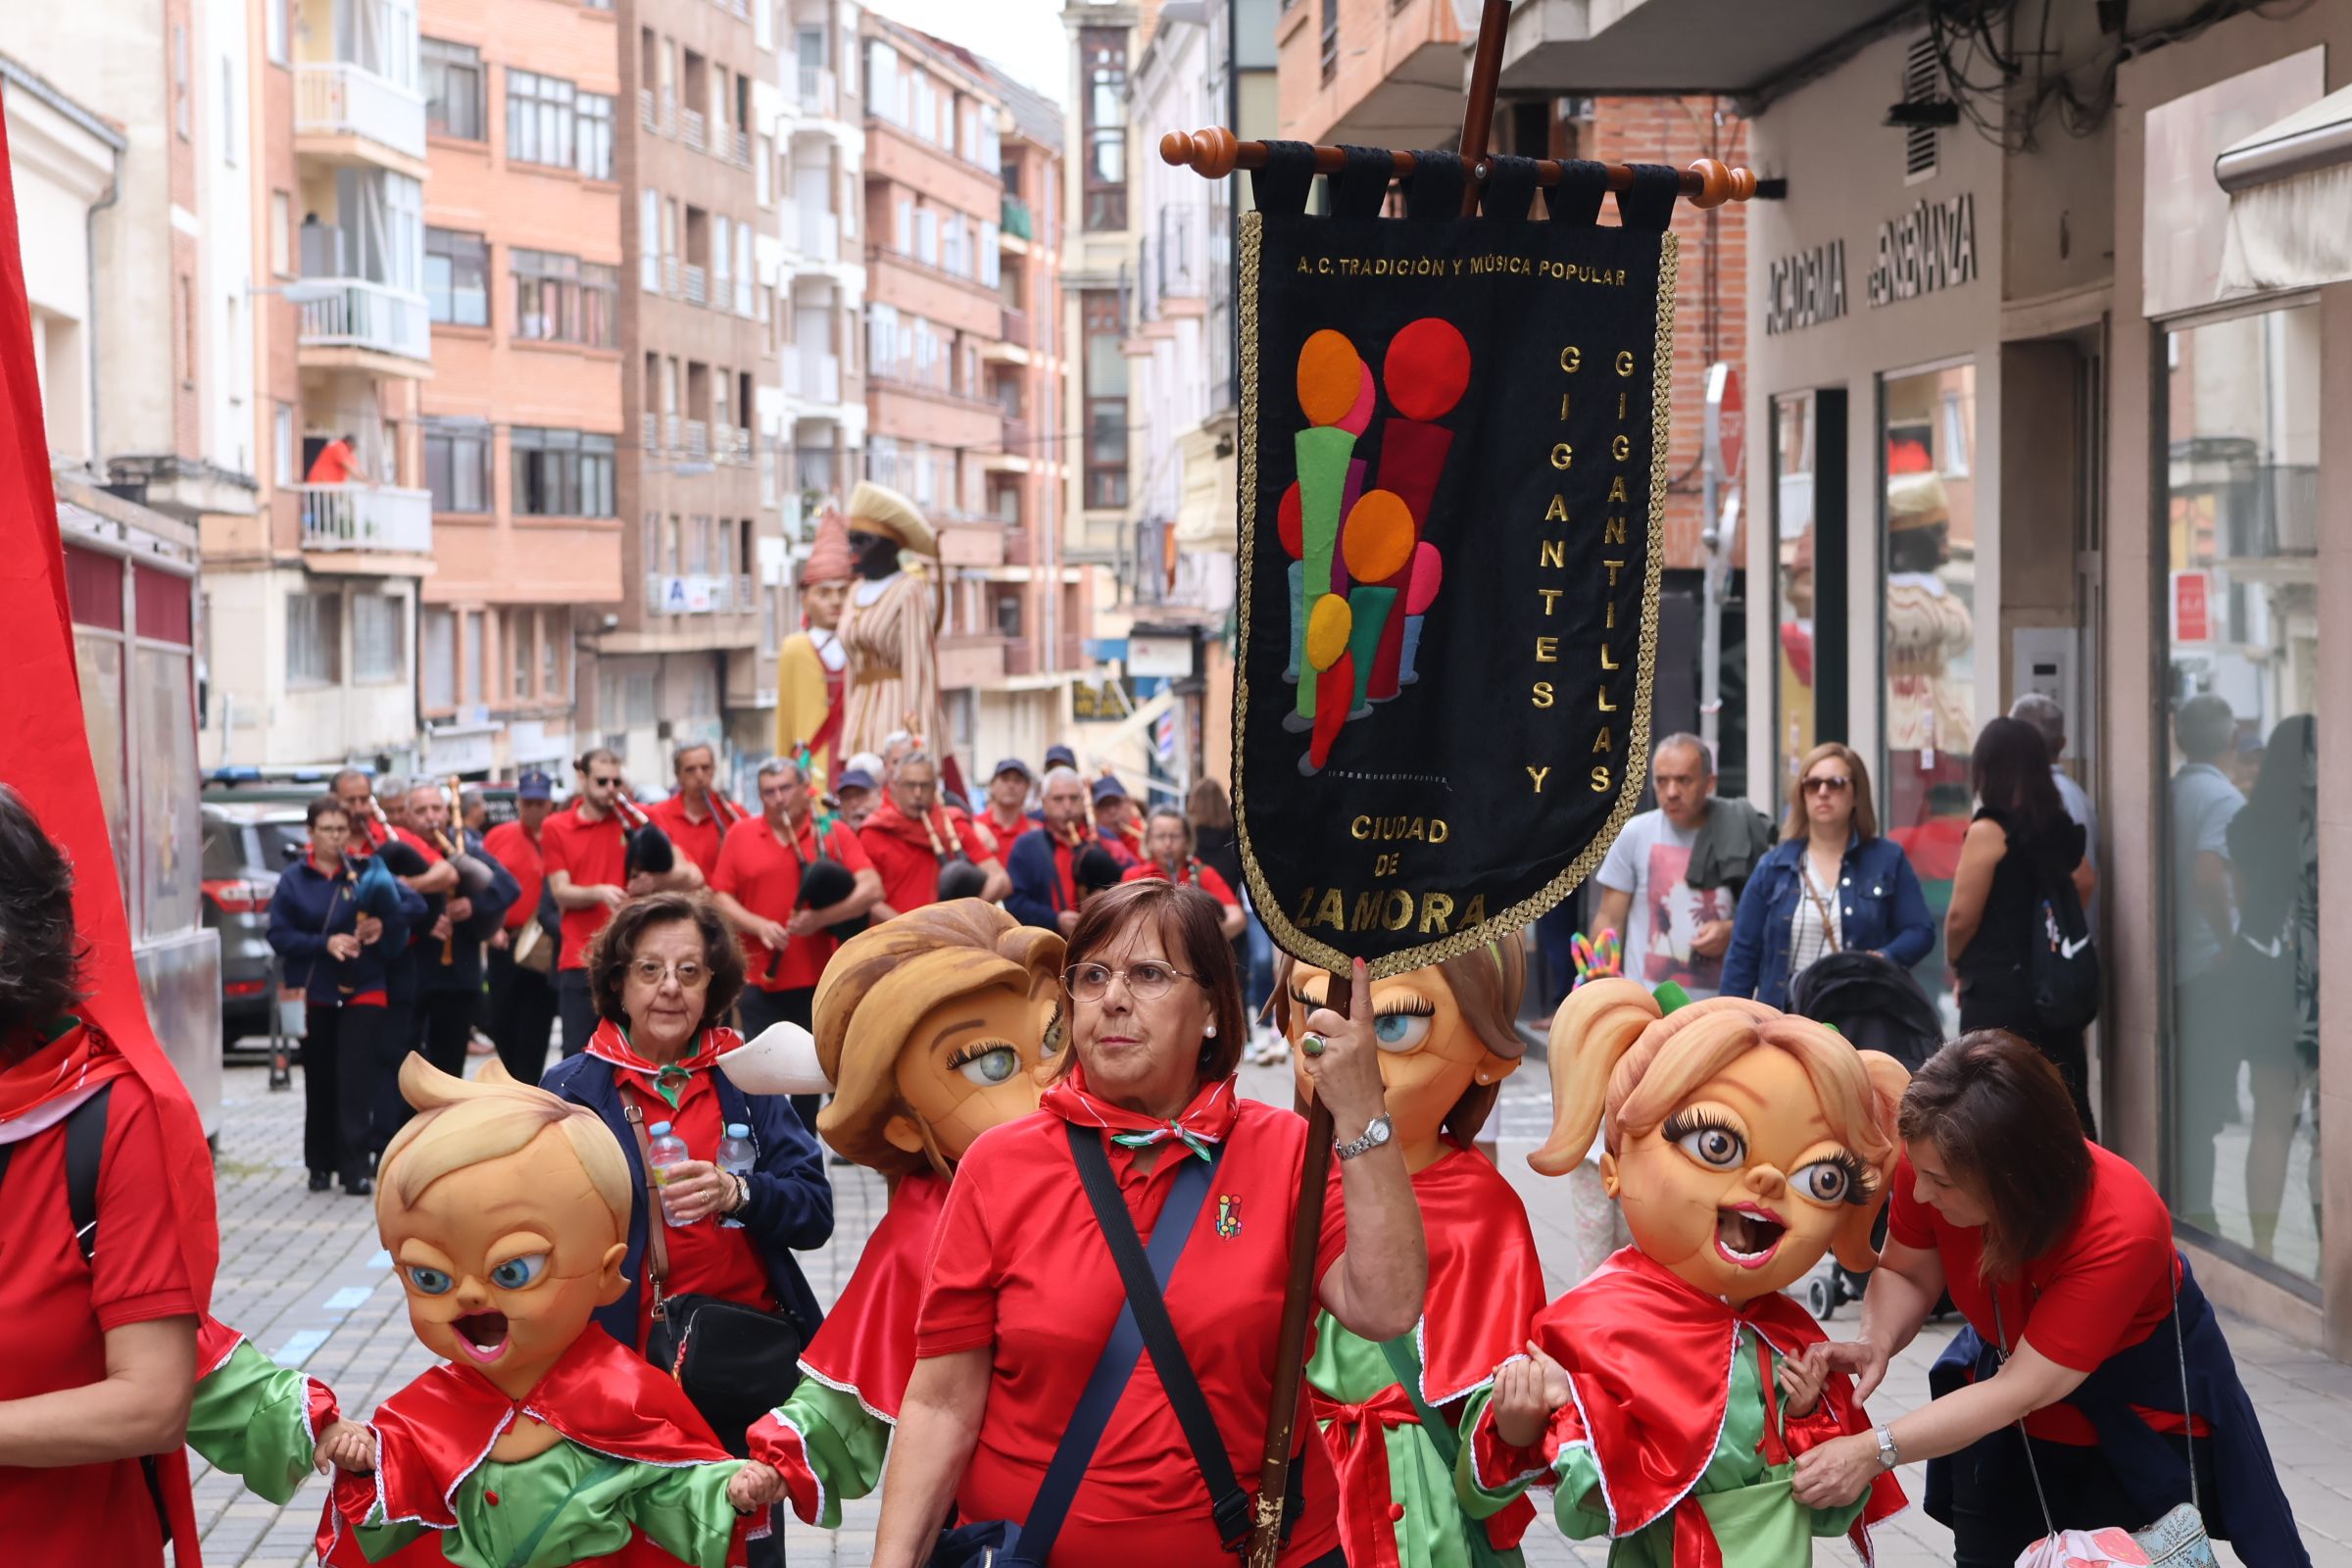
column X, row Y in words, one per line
column 1446, row 1035
column 1743, row 1143
column 505, row 1209
column 934, row 1027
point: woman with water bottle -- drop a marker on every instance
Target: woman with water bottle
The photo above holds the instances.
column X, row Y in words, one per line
column 740, row 1180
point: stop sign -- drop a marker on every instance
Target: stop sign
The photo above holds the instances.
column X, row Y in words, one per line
column 1727, row 418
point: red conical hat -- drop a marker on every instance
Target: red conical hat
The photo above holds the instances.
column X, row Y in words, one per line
column 829, row 559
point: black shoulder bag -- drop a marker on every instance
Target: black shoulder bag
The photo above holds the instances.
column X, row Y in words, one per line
column 1142, row 1321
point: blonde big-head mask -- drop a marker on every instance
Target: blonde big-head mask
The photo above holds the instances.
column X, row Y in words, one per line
column 1741, row 1143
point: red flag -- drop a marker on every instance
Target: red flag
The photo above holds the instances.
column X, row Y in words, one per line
column 45, row 756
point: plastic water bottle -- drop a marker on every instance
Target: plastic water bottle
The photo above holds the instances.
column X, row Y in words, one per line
column 667, row 1148
column 735, row 1152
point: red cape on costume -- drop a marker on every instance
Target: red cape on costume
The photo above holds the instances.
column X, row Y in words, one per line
column 866, row 1346
column 45, row 757
column 1485, row 1285
column 1649, row 1358
column 433, row 1434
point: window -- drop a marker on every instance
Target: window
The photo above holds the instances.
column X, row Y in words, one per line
column 885, row 87
column 954, row 248
column 274, row 29
column 2240, row 811
column 437, row 658
column 470, row 625
column 539, row 119
column 904, row 234
column 882, row 334
column 519, row 636
column 1330, row 54
column 281, row 234
column 596, row 135
column 314, row 639
column 561, row 473
column 378, row 643
column 763, row 156
column 453, row 88
column 992, row 262
column 231, row 102
column 722, row 264
column 560, row 299
column 457, row 277
column 281, row 435
column 551, row 662
column 1106, row 370
column 456, row 465
column 926, row 236
column 1104, row 53
column 649, row 241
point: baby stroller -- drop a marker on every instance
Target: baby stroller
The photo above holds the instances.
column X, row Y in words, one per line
column 1878, row 1006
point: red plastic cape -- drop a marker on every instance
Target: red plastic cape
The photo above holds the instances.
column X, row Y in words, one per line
column 1485, row 1285
column 1650, row 1360
column 42, row 1090
column 865, row 1347
column 45, row 757
column 433, row 1434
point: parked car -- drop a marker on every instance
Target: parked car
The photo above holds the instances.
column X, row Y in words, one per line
column 246, row 844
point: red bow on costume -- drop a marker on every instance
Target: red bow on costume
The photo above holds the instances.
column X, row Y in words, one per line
column 1208, row 1120
column 1359, row 1454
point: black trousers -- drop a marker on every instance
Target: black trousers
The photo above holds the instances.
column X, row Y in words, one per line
column 338, row 1076
column 391, row 1112
column 577, row 1009
column 1993, row 1523
column 441, row 1026
column 759, row 1009
column 522, row 1013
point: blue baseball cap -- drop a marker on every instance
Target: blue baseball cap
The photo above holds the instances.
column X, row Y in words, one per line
column 535, row 786
column 854, row 778
column 1060, row 757
column 1011, row 764
column 1108, row 789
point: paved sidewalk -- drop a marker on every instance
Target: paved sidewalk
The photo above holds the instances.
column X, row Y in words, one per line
column 303, row 1276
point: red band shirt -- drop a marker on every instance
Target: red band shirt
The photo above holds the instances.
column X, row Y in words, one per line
column 510, row 846
column 595, row 855
column 698, row 841
column 2106, row 1285
column 1196, row 874
column 765, row 877
column 1021, row 1267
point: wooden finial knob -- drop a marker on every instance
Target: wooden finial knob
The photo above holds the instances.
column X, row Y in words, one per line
column 1176, row 149
column 1216, row 152
column 1744, row 185
column 1714, row 183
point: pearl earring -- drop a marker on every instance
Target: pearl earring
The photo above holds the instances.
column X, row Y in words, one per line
column 1486, row 1077
column 1212, row 1032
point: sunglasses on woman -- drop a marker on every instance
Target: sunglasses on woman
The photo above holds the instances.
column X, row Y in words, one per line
column 1830, row 784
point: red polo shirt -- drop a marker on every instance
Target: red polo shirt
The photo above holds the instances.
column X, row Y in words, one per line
column 58, row 1309
column 698, row 841
column 1020, row 1267
column 510, row 846
column 2106, row 1284
column 705, row 1258
column 765, row 877
column 1196, row 876
column 596, row 854
column 900, row 851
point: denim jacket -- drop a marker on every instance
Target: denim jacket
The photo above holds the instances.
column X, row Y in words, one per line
column 1882, row 909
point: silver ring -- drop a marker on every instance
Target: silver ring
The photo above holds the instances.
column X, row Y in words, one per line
column 1312, row 1045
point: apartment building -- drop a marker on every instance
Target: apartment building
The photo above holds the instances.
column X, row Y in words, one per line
column 685, row 656
column 936, row 368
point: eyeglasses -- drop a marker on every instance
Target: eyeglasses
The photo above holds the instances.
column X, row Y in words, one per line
column 1146, row 981
column 690, row 975
column 1832, row 784
column 605, row 783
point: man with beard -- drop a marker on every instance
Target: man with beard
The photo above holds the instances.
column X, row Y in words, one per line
column 913, row 839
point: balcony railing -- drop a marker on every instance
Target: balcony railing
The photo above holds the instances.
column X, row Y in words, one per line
column 669, row 431
column 645, row 108
column 695, row 291
column 743, row 148
column 359, row 516
column 669, row 275
column 1015, row 329
column 349, row 313
column 1016, row 220
column 811, row 375
column 819, row 234
column 1016, row 435
column 337, row 98
column 690, row 128
column 819, row 91
column 697, row 439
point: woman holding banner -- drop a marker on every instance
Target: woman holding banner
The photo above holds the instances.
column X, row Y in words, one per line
column 1016, row 1329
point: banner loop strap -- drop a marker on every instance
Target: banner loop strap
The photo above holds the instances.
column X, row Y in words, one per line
column 1290, row 173
column 1510, row 188
column 1575, row 199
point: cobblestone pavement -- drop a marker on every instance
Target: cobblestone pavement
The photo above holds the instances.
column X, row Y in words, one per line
column 303, row 1276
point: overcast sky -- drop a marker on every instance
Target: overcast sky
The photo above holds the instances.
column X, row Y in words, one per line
column 1024, row 36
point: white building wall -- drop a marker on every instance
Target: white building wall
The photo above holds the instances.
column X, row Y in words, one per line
column 61, row 167
column 226, row 272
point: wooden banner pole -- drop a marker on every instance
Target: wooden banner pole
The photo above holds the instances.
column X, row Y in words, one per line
column 1216, row 152
column 1477, row 117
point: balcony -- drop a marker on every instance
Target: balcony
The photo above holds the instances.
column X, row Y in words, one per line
column 354, row 113
column 1015, row 329
column 669, row 431
column 1016, row 223
column 697, row 439
column 670, row 283
column 1017, row 439
column 1626, row 46
column 346, row 319
column 359, row 516
column 819, row 234
column 810, row 376
column 818, row 93
column 697, row 290
column 645, row 109
column 690, row 128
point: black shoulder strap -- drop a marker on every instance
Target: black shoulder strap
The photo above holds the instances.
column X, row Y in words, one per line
column 1227, row 1502
column 85, row 1150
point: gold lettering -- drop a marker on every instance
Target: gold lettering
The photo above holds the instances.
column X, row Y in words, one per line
column 1571, row 357
column 1625, row 361
column 1563, row 405
column 1551, row 596
column 1473, row 913
column 1307, row 901
column 1621, row 447
column 1617, row 489
column 1435, row 907
column 1551, row 552
column 1615, row 567
column 1621, row 396
column 1400, row 911
column 1332, row 911
column 1600, row 781
column 1557, row 511
column 1547, row 650
column 1611, row 623
column 1542, row 697
column 1361, row 829
column 1367, row 911
column 1601, row 742
column 1606, row 662
column 1537, row 774
column 1612, row 530
column 1562, row 455
column 1606, row 705
column 1438, row 830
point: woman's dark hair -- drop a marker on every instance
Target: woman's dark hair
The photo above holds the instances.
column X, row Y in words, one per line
column 1997, row 1111
column 326, row 805
column 1210, row 805
column 612, row 950
column 2009, row 768
column 40, row 953
column 1191, row 932
column 2267, row 838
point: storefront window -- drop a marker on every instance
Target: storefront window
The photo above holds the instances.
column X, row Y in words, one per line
column 1794, row 553
column 171, row 834
column 1928, row 430
column 2241, row 864
column 98, row 658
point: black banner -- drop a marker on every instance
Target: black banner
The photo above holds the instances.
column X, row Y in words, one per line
column 1453, row 481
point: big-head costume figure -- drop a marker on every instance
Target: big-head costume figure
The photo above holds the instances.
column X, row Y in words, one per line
column 1389, row 1412
column 931, row 1028
column 1671, row 1394
column 540, row 1441
column 811, row 668
column 890, row 626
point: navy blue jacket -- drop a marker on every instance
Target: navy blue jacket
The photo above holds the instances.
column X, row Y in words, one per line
column 464, row 971
column 308, row 908
column 1880, row 909
column 1036, row 896
column 790, row 1206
